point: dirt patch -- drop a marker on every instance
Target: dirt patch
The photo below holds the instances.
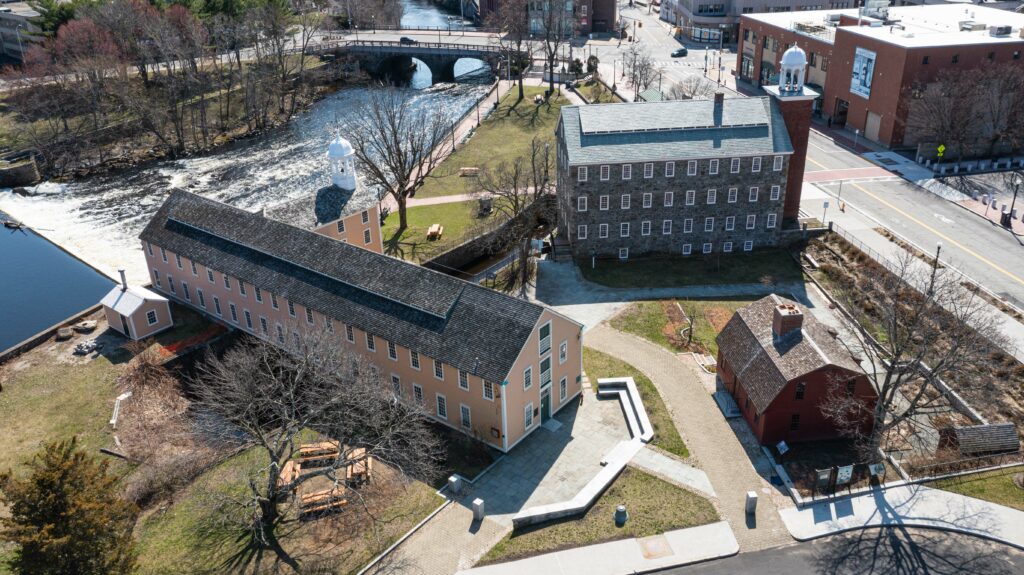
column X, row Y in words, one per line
column 717, row 317
column 677, row 322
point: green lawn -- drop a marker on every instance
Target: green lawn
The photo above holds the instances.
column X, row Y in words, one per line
column 995, row 486
column 655, row 506
column 599, row 365
column 503, row 136
column 673, row 271
column 459, row 221
column 651, row 320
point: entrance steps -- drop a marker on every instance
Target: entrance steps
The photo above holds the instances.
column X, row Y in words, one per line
column 561, row 251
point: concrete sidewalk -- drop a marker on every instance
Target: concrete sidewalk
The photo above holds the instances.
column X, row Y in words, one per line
column 671, row 549
column 908, row 506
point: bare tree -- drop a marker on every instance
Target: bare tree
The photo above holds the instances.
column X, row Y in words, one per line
column 919, row 326
column 397, row 145
column 690, row 88
column 512, row 18
column 518, row 190
column 1000, row 106
column 640, row 66
column 263, row 395
column 559, row 26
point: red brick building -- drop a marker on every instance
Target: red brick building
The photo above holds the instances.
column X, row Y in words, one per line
column 865, row 64
column 780, row 364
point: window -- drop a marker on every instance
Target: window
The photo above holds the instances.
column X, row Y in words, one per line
column 581, row 232
column 350, row 334
column 464, row 409
column 227, row 282
column 730, row 223
column 528, row 415
column 392, row 351
column 800, row 389
column 488, row 391
column 649, row 170
column 309, row 316
column 707, row 247
column 170, row 284
column 624, row 230
column 563, row 389
column 241, row 288
column 648, row 199
column 163, row 255
column 280, row 334
column 209, row 274
column 751, row 221
column 366, row 236
column 581, row 204
column 581, row 174
column 417, row 393
column 687, row 225
column 623, row 253
column 691, row 168
column 645, row 228
column 687, row 248
column 149, row 248
column 755, row 165
column 396, row 385
column 177, row 260
column 851, row 387
column 291, row 308
column 365, row 216
column 775, row 193
column 545, row 372
column 527, row 378
column 666, row 227
column 273, row 301
column 371, row 344
column 202, row 300
column 777, row 164
column 1016, row 54
column 627, row 171
column 563, row 352
column 442, row 407
column 438, row 369
column 956, row 58
column 727, row 247
column 712, row 196
column 691, row 197
column 151, row 317
column 329, row 324
column 602, row 231
column 463, row 380
column 341, row 226
column 753, row 194
column 669, row 198
column 794, row 422
column 734, row 166
column 185, row 292
column 544, row 339
column 713, row 167
column 824, row 64
column 771, row 221
column 602, row 203
column 733, row 193
column 748, row 245
column 670, row 169
column 605, row 172
column 195, row 271
column 414, row 359
column 234, row 312
column 248, row 319
column 624, row 202
column 709, row 224
column 259, row 294
column 216, row 305
column 263, row 325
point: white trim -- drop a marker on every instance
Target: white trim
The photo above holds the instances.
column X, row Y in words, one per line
column 438, row 399
column 465, row 422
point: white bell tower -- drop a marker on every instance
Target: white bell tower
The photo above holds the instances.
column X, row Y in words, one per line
column 792, row 68
column 341, row 157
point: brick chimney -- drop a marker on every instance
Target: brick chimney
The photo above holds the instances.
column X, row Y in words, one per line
column 786, row 319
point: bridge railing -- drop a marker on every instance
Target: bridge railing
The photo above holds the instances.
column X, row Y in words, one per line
column 452, row 46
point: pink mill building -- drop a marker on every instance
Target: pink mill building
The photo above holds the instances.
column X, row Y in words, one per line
column 492, row 366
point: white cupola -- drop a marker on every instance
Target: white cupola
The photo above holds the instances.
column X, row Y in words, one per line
column 341, row 157
column 792, row 69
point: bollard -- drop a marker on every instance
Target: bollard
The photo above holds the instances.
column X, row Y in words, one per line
column 751, row 506
column 621, row 516
column 478, row 509
column 455, row 484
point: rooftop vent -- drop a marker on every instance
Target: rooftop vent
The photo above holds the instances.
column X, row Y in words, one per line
column 999, row 30
column 971, row 26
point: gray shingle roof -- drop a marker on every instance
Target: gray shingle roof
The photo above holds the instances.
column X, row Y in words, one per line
column 327, row 205
column 467, row 326
column 763, row 364
column 673, row 130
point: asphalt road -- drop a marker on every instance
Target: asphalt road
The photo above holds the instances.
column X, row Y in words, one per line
column 874, row 551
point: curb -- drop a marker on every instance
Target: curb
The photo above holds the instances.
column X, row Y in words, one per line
column 914, row 524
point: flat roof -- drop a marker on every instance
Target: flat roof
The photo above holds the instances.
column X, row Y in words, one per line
column 907, row 26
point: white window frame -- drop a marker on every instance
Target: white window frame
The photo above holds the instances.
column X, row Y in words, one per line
column 396, row 384
column 751, row 221
column 712, row 196
column 151, row 317
column 730, row 223
column 733, row 195
column 528, row 377
column 709, row 224
column 563, row 389
column 624, row 202
column 227, row 281
column 645, row 228
column 666, row 227
column 259, row 294
column 670, row 169
column 605, row 172
column 441, row 404
column 755, row 164
column 648, row 199
column 202, row 298
column 563, row 351
column 707, row 248
column 691, row 168
column 195, row 270
column 748, row 245
column 241, row 289
column 581, row 174
column 581, row 204
column 544, row 342
column 185, row 292
column 280, row 333
column 340, row 226
column 581, row 232
column 727, row 247
column 248, row 319
column 734, row 166
column 264, row 325
column 170, row 284
column 670, row 198
column 465, row 416
column 367, row 237
column 414, row 360
column 602, row 231
column 163, row 254
column 776, row 193
column 648, row 170
column 371, row 343
column 754, row 191
column 691, row 197
column 417, row 393
column 603, row 202
column 624, row 229
column 463, row 380
column 713, row 167
column 770, row 224
column 309, row 316
column 216, row 307
column 777, row 164
column 177, row 261
column 623, row 253
column 350, row 333
column 291, row 308
column 149, row 248
column 209, row 275
column 627, row 171
column 687, row 249
column 528, row 420
column 365, row 216
column 438, row 370
column 273, row 301
column 392, row 351
column 488, row 389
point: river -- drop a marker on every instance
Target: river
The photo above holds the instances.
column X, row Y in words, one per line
column 426, row 14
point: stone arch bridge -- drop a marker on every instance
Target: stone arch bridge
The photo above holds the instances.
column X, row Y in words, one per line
column 387, row 58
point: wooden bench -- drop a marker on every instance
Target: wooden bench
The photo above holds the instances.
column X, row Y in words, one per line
column 323, row 501
column 435, row 231
column 361, row 469
column 289, row 473
column 469, row 172
column 315, row 454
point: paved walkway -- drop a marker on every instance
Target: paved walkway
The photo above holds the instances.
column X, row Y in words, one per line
column 671, row 549
column 728, row 461
column 908, row 506
column 657, row 463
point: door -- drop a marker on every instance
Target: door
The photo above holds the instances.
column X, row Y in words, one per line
column 124, row 326
column 871, row 127
column 545, row 405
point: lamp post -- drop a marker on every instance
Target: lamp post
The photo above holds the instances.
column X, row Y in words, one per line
column 21, row 49
column 373, row 22
column 856, row 134
column 356, row 27
column 1007, row 219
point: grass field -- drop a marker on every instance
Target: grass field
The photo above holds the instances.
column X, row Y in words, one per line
column 769, row 265
column 599, row 365
column 503, row 136
column 659, row 323
column 459, row 221
column 995, row 486
column 655, row 506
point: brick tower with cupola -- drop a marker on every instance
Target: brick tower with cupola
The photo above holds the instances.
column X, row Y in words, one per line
column 795, row 102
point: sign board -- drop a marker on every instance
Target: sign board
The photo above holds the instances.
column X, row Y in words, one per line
column 941, row 150
column 844, row 475
column 863, row 71
column 826, row 204
column 782, row 447
column 822, row 479
column 877, row 469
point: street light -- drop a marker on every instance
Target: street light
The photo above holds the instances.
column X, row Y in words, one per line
column 856, row 134
column 1007, row 219
column 21, row 49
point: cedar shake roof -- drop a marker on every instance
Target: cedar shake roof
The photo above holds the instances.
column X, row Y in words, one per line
column 764, row 364
column 465, row 325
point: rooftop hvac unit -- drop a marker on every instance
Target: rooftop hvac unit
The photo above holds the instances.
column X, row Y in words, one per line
column 999, row 30
column 971, row 26
column 833, row 17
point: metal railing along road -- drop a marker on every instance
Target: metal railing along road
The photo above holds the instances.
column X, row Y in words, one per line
column 446, row 46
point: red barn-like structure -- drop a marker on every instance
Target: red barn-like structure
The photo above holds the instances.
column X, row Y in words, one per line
column 780, row 363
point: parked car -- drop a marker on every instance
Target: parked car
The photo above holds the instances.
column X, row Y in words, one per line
column 406, row 40
column 680, row 53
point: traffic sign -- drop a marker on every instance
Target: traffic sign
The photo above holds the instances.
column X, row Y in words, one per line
column 941, row 149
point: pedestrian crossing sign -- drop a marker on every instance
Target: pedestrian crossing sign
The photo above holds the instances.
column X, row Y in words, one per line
column 941, row 149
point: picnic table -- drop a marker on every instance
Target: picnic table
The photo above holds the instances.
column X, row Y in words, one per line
column 324, row 500
column 289, row 473
column 435, row 231
column 361, row 468
column 320, row 453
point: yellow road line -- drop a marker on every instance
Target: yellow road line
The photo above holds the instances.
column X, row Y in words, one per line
column 819, row 164
column 944, row 236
